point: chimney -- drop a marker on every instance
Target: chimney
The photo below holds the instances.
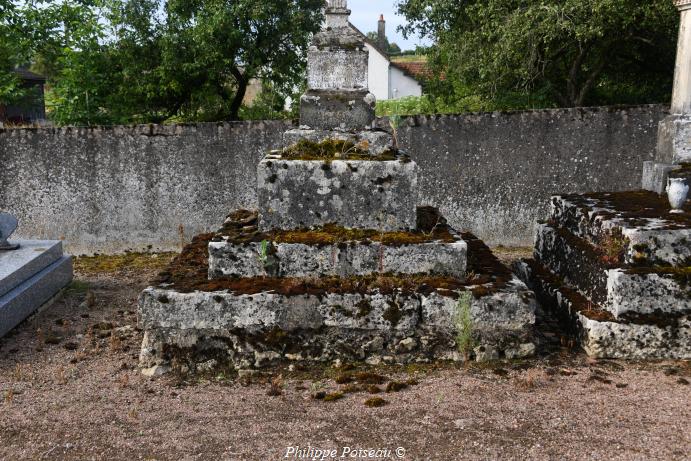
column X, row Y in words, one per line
column 381, row 34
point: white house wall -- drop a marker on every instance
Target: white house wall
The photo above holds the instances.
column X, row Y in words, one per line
column 402, row 84
column 378, row 78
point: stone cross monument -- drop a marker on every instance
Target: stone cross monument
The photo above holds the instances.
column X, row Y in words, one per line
column 674, row 134
column 337, row 61
column 337, row 207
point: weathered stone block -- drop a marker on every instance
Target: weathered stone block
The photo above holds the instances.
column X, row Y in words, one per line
column 362, row 194
column 342, row 259
column 376, row 142
column 674, row 139
column 346, row 110
column 644, row 336
column 650, row 234
column 337, row 69
column 621, row 291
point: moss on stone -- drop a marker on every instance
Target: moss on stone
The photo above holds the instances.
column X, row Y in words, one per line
column 333, row 149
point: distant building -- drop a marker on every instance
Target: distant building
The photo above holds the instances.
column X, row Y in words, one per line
column 388, row 79
column 31, row 108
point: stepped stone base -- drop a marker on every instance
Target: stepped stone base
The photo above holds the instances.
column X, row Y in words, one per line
column 602, row 335
column 256, row 322
column 584, row 267
column 30, row 277
column 615, row 268
column 365, row 194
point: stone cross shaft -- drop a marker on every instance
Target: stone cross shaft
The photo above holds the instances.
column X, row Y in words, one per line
column 681, row 96
column 337, row 13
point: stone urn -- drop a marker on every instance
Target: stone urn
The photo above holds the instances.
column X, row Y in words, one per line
column 677, row 191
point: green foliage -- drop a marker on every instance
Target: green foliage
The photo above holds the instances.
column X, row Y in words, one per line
column 268, row 105
column 543, row 53
column 463, row 320
column 136, row 61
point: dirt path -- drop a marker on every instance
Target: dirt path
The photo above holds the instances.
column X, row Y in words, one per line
column 70, row 390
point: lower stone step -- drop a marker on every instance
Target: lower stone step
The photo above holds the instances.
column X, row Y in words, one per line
column 240, row 250
column 637, row 336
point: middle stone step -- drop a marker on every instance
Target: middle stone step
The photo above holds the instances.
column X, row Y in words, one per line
column 240, row 250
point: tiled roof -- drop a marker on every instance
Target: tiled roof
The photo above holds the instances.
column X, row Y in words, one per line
column 418, row 70
column 26, row 74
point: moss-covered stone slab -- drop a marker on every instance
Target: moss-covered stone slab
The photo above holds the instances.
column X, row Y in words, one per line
column 240, row 250
column 375, row 142
column 637, row 223
column 363, row 194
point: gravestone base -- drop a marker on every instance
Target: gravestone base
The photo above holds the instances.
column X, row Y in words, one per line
column 30, row 277
column 614, row 268
column 237, row 314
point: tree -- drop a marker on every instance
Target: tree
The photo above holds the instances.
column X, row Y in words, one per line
column 122, row 61
column 551, row 52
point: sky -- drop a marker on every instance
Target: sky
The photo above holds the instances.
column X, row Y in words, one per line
column 365, row 14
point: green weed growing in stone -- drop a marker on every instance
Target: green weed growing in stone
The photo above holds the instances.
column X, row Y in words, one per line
column 264, row 252
column 464, row 324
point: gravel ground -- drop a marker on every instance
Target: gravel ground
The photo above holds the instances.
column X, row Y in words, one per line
column 69, row 389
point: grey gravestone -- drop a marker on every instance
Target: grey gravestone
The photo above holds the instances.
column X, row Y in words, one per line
column 8, row 224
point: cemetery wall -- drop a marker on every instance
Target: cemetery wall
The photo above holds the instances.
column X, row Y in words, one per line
column 110, row 189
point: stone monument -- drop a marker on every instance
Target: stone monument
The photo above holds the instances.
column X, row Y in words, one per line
column 673, row 155
column 32, row 272
column 338, row 262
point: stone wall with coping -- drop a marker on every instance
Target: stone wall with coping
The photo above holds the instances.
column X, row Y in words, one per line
column 493, row 173
column 131, row 187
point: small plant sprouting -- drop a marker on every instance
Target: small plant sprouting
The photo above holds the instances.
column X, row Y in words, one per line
column 264, row 252
column 613, row 246
column 464, row 324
